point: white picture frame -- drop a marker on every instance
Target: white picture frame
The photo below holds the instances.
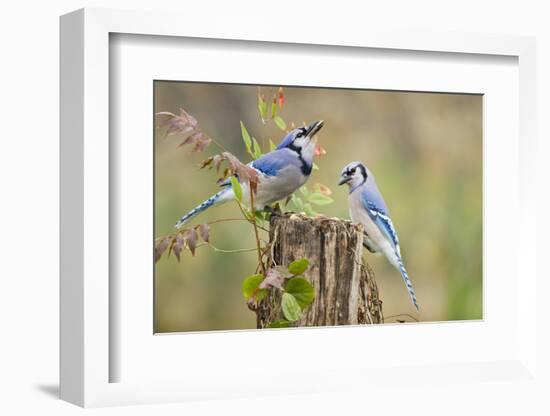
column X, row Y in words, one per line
column 86, row 291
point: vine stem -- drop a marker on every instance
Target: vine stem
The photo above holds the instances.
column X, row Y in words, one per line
column 256, row 234
column 221, row 250
column 215, row 222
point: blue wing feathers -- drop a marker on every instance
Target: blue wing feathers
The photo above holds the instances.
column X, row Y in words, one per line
column 376, row 208
column 379, row 214
column 268, row 166
column 271, row 163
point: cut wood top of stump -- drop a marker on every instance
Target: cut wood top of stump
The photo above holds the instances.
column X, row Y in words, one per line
column 320, row 221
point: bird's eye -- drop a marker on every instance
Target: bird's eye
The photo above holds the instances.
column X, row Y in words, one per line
column 301, row 132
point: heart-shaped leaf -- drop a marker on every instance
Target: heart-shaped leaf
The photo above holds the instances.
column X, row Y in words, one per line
column 291, row 308
column 298, row 266
column 302, row 290
column 251, row 284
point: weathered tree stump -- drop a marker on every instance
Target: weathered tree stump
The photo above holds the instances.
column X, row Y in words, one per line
column 345, row 288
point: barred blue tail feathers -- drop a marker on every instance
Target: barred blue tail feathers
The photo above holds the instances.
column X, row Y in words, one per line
column 407, row 281
column 223, row 196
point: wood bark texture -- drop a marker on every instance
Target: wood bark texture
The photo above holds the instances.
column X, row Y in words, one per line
column 345, row 288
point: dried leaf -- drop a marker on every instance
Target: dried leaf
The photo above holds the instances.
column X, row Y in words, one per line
column 202, row 142
column 161, row 248
column 184, row 115
column 273, row 278
column 217, row 160
column 191, row 237
column 192, row 139
column 176, row 124
column 204, row 232
column 207, row 162
column 178, row 245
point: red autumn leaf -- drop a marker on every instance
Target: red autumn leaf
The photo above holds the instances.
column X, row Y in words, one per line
column 319, row 151
column 325, row 190
column 281, row 97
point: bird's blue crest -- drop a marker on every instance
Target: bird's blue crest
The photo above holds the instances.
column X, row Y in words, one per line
column 287, row 141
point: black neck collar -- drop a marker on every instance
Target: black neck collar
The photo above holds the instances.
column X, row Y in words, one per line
column 305, row 168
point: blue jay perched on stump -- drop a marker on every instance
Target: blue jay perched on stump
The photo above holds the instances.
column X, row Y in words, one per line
column 281, row 172
column 367, row 207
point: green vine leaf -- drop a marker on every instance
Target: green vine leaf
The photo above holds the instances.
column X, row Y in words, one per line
column 262, row 107
column 298, row 266
column 237, row 190
column 274, row 108
column 246, row 138
column 302, row 290
column 257, row 150
column 279, row 122
column 250, row 285
column 281, row 323
column 291, row 308
column 318, row 198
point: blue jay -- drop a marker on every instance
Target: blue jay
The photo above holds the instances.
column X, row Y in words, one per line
column 367, row 207
column 281, row 172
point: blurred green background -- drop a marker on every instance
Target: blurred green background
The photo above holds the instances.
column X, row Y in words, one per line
column 425, row 150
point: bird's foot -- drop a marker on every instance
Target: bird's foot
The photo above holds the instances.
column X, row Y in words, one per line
column 273, row 211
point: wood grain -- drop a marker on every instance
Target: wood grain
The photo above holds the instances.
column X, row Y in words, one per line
column 345, row 288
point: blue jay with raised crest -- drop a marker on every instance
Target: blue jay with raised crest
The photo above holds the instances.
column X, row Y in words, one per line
column 367, row 207
column 281, row 172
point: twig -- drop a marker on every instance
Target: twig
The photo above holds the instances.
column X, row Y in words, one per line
column 402, row 314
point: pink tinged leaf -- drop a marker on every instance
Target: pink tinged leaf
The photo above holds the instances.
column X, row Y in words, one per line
column 203, row 141
column 217, row 160
column 320, row 151
column 275, row 277
column 204, row 232
column 161, row 248
column 177, row 127
column 188, row 117
column 178, row 245
column 325, row 190
column 192, row 139
column 192, row 237
column 231, row 160
column 281, row 94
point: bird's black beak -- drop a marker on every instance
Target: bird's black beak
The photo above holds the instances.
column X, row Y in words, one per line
column 314, row 127
column 343, row 180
